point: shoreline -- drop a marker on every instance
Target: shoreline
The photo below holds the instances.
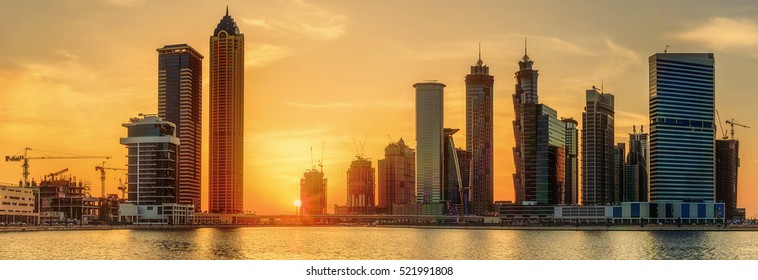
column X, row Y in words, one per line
column 651, row 227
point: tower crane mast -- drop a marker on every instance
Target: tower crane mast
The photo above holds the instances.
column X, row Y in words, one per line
column 24, row 157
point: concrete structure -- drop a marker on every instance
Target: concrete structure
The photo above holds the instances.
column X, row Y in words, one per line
column 397, row 177
column 682, row 133
column 727, row 165
column 17, row 205
column 152, row 171
column 571, row 179
column 180, row 95
column 598, row 149
column 63, row 200
column 636, row 185
column 452, row 172
column 227, row 130
column 429, row 141
column 313, row 192
column 525, row 93
column 480, row 136
column 360, row 187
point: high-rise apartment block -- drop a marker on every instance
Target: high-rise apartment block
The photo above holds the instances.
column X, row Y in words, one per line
column 636, row 184
column 313, row 192
column 180, row 76
column 525, row 93
column 360, row 186
column 727, row 163
column 397, row 177
column 682, row 133
column 571, row 180
column 598, row 149
column 227, row 88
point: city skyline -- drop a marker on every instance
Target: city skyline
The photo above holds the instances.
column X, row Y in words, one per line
column 75, row 80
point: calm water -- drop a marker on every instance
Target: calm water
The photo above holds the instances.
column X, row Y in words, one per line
column 344, row 243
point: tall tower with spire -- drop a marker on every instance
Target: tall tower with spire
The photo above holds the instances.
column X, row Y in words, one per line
column 525, row 93
column 227, row 88
column 479, row 135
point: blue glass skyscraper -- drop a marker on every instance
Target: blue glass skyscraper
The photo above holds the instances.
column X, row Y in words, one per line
column 682, row 133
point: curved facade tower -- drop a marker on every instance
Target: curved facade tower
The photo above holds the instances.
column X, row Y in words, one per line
column 525, row 93
column 227, row 88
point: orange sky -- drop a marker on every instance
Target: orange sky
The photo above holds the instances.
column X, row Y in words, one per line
column 72, row 71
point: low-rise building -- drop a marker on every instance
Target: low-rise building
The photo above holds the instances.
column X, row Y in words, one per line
column 17, row 205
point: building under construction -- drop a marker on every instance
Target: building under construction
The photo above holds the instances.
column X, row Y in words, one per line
column 360, row 186
column 65, row 201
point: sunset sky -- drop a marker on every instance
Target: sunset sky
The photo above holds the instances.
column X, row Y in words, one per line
column 71, row 72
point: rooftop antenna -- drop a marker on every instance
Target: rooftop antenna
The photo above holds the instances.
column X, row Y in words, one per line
column 642, row 129
column 227, row 10
column 602, row 85
column 312, row 166
column 634, row 129
column 666, row 49
column 524, row 45
column 480, row 50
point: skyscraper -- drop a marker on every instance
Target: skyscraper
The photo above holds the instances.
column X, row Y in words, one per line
column 619, row 172
column 571, row 183
column 549, row 155
column 479, row 135
column 464, row 163
column 429, row 141
column 598, row 148
column 360, row 186
column 727, row 163
column 397, row 176
column 180, row 76
column 682, row 133
column 227, row 88
column 313, row 192
column 637, row 167
column 525, row 93
column 452, row 171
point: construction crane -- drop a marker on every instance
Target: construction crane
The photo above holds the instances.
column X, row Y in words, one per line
column 732, row 124
column 55, row 174
column 723, row 129
column 23, row 156
column 102, row 169
column 122, row 188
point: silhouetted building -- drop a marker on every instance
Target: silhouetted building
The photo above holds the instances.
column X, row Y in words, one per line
column 571, row 183
column 682, row 132
column 636, row 167
column 464, row 163
column 619, row 172
column 453, row 184
column 525, row 93
column 544, row 155
column 227, row 130
column 152, row 163
column 727, row 164
column 180, row 76
column 429, row 141
column 313, row 192
column 397, row 176
column 479, row 135
column 598, row 149
column 360, row 187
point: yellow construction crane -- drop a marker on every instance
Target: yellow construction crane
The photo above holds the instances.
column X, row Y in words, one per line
column 102, row 169
column 23, row 156
column 122, row 187
column 53, row 175
column 732, row 124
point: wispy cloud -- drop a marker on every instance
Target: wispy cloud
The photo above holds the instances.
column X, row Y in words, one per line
column 324, row 105
column 722, row 33
column 263, row 54
column 125, row 3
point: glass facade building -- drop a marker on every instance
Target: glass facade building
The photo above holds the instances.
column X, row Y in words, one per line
column 571, row 183
column 727, row 164
column 598, row 180
column 180, row 75
column 429, row 141
column 397, row 177
column 479, row 135
column 637, row 168
column 453, row 183
column 525, row 92
column 682, row 133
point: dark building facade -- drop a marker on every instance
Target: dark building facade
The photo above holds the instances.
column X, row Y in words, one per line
column 598, row 149
column 619, row 172
column 682, row 133
column 227, row 129
column 524, row 126
column 451, row 172
column 360, row 187
column 180, row 75
column 727, row 164
column 571, row 182
column 636, row 188
column 396, row 174
column 464, row 163
column 479, row 135
column 313, row 193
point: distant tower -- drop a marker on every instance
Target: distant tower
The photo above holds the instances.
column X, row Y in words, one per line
column 429, row 141
column 479, row 134
column 227, row 88
column 452, row 171
column 360, row 186
column 313, row 192
column 619, row 172
column 525, row 93
column 397, row 177
column 682, row 133
column 637, row 167
column 180, row 76
column 571, row 186
column 598, row 149
column 727, row 163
